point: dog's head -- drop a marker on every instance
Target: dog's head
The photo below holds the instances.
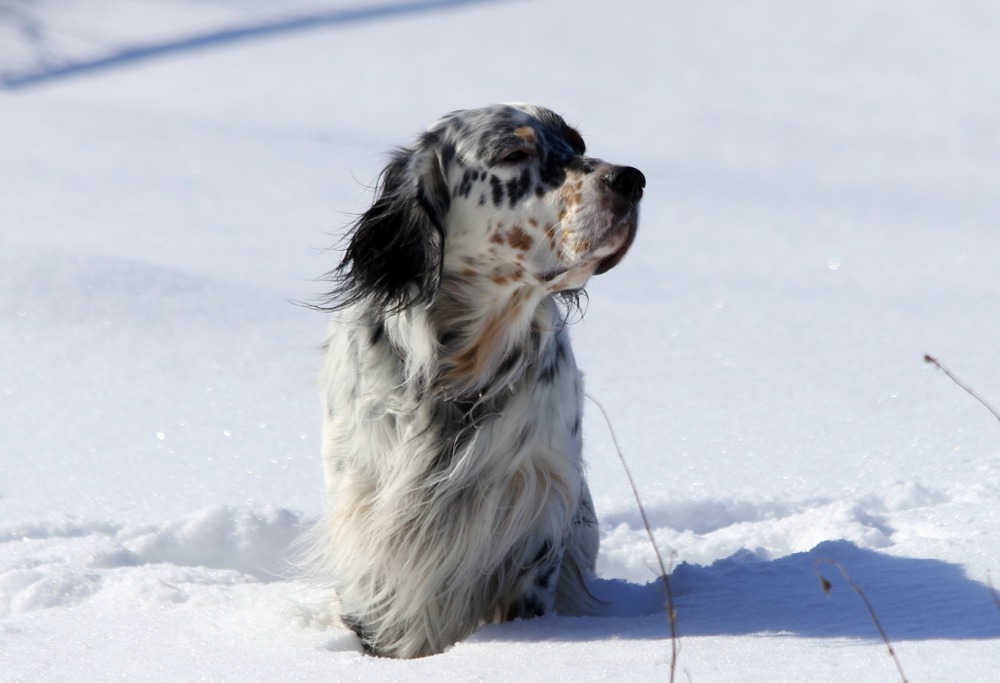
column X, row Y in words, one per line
column 503, row 193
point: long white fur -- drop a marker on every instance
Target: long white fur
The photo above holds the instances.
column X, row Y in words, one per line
column 424, row 544
column 493, row 509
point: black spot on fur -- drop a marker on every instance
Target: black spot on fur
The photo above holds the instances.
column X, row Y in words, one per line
column 355, row 625
column 496, row 185
column 544, row 578
column 376, row 333
column 518, row 187
column 455, row 422
column 512, row 359
column 535, row 337
column 458, row 125
column 526, row 607
column 554, row 364
column 448, row 338
column 552, row 171
column 542, row 553
column 448, row 155
column 582, row 164
column 465, row 186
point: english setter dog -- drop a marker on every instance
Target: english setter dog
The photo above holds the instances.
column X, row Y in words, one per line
column 451, row 443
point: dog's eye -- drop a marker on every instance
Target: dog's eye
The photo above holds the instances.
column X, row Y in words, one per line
column 514, row 156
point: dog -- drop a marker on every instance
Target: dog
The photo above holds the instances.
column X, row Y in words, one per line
column 453, row 404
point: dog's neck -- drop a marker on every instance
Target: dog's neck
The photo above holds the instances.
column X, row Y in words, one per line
column 475, row 342
column 488, row 341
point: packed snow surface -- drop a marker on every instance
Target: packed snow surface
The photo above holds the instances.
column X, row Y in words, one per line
column 821, row 211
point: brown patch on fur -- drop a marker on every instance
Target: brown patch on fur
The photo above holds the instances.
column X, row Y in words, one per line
column 572, row 194
column 553, row 233
column 526, row 133
column 473, row 263
column 572, row 199
column 473, row 358
column 519, row 239
column 513, row 275
column 498, row 234
column 565, row 242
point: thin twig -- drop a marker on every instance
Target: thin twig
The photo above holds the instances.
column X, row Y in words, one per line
column 664, row 575
column 931, row 359
column 828, row 587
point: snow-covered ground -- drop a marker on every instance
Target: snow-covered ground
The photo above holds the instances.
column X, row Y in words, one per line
column 822, row 209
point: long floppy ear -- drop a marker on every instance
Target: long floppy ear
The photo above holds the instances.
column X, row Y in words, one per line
column 395, row 254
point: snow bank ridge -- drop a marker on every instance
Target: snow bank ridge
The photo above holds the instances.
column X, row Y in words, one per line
column 223, row 544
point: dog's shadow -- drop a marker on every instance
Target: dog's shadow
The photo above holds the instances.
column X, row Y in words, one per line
column 914, row 599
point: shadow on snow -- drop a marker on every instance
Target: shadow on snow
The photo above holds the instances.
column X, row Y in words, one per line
column 55, row 69
column 915, row 599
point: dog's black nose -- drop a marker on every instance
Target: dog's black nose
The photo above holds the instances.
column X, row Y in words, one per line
column 626, row 181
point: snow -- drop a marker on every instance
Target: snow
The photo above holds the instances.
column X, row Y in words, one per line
column 821, row 211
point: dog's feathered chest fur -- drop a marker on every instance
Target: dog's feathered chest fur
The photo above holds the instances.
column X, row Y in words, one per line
column 452, row 446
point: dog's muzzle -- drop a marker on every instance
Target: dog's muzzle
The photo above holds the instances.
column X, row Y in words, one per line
column 626, row 184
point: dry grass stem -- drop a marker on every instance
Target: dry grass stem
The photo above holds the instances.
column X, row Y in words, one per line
column 664, row 574
column 934, row 361
column 828, row 588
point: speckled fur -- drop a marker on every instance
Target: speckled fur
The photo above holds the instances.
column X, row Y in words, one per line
column 452, row 445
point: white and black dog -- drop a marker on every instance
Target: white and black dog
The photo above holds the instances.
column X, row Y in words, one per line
column 451, row 444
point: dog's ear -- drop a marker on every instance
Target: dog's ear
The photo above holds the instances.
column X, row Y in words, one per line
column 395, row 254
